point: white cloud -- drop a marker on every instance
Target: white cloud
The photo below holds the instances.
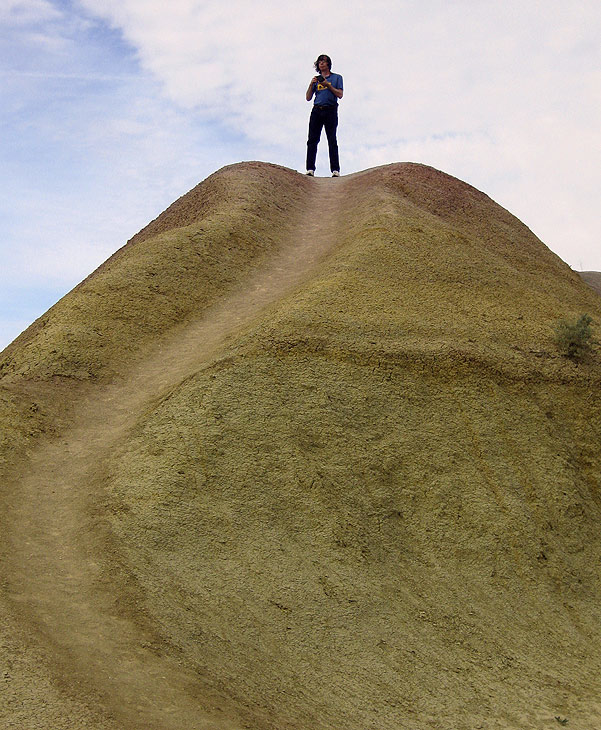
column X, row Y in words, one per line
column 411, row 69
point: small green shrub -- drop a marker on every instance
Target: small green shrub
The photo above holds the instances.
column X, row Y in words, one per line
column 575, row 339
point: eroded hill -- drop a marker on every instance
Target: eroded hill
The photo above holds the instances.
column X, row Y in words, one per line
column 304, row 454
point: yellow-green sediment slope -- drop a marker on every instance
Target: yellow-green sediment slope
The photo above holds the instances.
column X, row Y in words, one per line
column 304, row 455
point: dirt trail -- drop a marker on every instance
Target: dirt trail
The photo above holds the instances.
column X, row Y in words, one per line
column 53, row 570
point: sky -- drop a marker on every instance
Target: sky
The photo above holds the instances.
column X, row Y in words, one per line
column 112, row 109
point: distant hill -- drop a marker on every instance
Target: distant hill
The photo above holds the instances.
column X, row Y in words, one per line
column 304, row 454
column 593, row 279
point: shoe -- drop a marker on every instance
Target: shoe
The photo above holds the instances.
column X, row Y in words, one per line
column 311, row 173
column 336, row 173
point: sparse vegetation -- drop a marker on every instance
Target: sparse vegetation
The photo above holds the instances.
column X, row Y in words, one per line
column 575, row 339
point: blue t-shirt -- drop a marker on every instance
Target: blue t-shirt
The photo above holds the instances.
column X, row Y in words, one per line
column 323, row 96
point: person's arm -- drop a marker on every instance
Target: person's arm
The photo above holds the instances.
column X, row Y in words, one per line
column 311, row 89
column 337, row 92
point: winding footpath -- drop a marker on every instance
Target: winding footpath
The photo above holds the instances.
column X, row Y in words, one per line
column 53, row 576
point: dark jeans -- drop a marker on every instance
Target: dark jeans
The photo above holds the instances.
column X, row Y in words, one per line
column 325, row 116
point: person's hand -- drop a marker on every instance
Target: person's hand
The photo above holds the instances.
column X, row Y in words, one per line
column 314, row 80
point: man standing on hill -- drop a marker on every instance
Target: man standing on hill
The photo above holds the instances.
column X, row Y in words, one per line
column 327, row 88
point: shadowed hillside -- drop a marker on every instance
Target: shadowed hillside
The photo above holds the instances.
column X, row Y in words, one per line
column 304, row 454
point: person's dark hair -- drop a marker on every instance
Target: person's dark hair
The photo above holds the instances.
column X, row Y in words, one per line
column 325, row 58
